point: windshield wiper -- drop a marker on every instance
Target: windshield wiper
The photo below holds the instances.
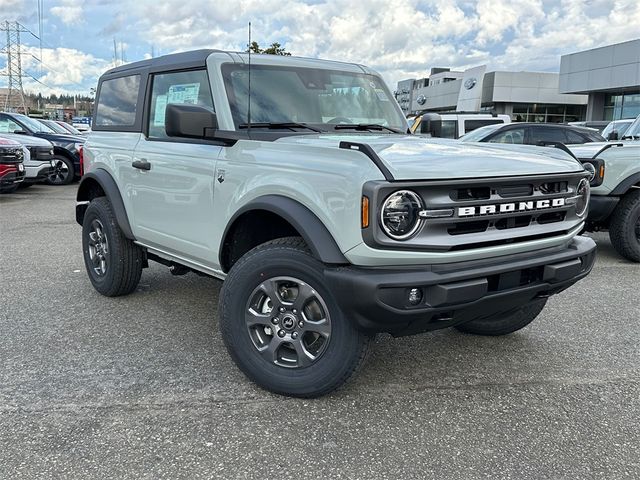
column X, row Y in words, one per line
column 274, row 125
column 365, row 126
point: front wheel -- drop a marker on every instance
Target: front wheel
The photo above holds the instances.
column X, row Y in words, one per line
column 282, row 326
column 9, row 188
column 506, row 323
column 624, row 229
column 62, row 172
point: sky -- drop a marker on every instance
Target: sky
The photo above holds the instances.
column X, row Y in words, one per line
column 398, row 38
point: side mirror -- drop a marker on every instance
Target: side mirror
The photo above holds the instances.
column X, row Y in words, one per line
column 190, row 121
column 613, row 135
column 20, row 132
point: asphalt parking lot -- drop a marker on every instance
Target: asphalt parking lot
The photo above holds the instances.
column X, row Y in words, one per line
column 142, row 387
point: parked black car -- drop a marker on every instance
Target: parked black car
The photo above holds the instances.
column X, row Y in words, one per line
column 533, row 134
column 65, row 147
column 11, row 166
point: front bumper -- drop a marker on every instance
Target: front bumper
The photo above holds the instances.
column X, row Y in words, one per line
column 38, row 174
column 11, row 174
column 376, row 299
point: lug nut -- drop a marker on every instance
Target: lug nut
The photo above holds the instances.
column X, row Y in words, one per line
column 281, row 333
column 275, row 320
column 295, row 310
column 301, row 324
column 282, row 309
column 294, row 335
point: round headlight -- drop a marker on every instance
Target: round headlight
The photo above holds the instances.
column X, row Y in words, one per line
column 400, row 214
column 582, row 197
column 590, row 169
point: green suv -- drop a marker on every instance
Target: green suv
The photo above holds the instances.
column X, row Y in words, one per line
column 296, row 182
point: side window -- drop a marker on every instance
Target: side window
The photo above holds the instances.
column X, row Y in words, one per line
column 573, row 137
column 547, row 134
column 117, row 104
column 511, row 135
column 9, row 126
column 449, row 129
column 179, row 87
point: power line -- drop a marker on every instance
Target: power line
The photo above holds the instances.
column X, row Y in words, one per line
column 56, row 71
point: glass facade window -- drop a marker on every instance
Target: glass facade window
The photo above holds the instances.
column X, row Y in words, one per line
column 547, row 113
column 621, row 105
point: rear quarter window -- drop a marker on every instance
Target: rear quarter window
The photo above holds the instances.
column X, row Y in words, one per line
column 117, row 103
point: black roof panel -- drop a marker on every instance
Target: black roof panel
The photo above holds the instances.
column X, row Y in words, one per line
column 193, row 57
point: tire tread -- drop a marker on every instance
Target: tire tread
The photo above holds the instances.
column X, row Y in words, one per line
column 623, row 241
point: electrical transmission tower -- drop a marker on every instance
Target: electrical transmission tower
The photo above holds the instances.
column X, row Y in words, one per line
column 15, row 93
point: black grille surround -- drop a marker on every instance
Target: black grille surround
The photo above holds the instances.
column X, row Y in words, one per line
column 42, row 154
column 464, row 232
column 11, row 154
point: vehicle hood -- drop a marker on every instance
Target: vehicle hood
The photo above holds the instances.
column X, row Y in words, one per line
column 27, row 140
column 60, row 139
column 409, row 157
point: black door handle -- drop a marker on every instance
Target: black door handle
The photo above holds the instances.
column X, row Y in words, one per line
column 142, row 164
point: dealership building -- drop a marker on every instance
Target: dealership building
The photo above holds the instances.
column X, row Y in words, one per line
column 609, row 76
column 598, row 84
column 526, row 96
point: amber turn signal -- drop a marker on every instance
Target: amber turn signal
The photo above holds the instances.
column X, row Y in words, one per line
column 365, row 212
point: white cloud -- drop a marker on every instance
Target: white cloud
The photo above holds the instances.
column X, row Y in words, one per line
column 64, row 70
column 69, row 11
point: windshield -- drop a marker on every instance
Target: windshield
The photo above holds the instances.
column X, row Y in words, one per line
column 479, row 134
column 55, row 127
column 322, row 98
column 70, row 129
column 619, row 126
column 33, row 124
column 634, row 129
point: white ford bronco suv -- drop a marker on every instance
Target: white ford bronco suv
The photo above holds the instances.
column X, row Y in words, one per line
column 615, row 189
column 294, row 180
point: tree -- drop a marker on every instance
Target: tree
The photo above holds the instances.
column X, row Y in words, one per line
column 274, row 49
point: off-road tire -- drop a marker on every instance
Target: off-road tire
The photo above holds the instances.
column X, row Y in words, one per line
column 125, row 259
column 505, row 323
column 347, row 348
column 624, row 228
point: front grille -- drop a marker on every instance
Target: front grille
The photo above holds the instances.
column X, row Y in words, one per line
column 485, row 212
column 11, row 154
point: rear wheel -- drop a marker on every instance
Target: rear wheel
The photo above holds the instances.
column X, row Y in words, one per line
column 62, row 172
column 506, row 323
column 624, row 228
column 282, row 326
column 113, row 262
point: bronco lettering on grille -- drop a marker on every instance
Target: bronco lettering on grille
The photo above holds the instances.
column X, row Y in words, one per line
column 511, row 207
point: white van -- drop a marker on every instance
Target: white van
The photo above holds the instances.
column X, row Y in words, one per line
column 454, row 124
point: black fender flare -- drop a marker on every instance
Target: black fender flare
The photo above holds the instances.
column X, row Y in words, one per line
column 313, row 231
column 626, row 184
column 111, row 191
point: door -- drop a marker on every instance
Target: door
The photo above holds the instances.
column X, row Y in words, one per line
column 173, row 178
